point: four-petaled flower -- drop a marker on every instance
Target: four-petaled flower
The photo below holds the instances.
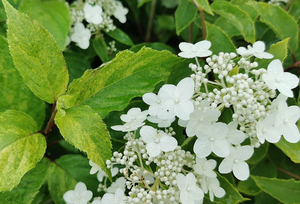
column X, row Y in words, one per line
column 117, row 198
column 236, row 162
column 257, row 50
column 157, row 141
column 92, row 14
column 120, row 12
column 189, row 191
column 277, row 79
column 200, row 49
column 81, row 36
column 80, row 195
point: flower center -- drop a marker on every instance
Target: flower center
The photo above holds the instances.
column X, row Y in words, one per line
column 176, row 100
column 236, row 161
column 211, row 138
column 200, row 119
column 188, row 189
column 158, row 101
column 277, row 80
column 285, row 121
column 264, row 130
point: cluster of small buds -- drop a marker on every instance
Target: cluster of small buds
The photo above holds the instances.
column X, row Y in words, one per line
column 92, row 16
column 247, row 65
column 220, row 64
column 111, row 46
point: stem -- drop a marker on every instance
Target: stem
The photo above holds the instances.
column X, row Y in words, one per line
column 191, row 32
column 57, row 141
column 150, row 22
column 288, row 173
column 203, row 24
column 50, row 123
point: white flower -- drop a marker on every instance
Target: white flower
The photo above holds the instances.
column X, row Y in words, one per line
column 277, row 79
column 118, row 184
column 236, row 162
column 154, row 103
column 134, row 114
column 94, row 168
column 81, row 36
column 215, row 189
column 265, row 130
column 120, row 12
column 79, row 195
column 92, row 14
column 285, row 122
column 200, row 119
column 235, row 136
column 161, row 122
column 200, row 49
column 96, row 201
column 189, row 191
column 134, row 119
column 257, row 50
column 205, row 167
column 176, row 100
column 212, row 139
column 116, row 198
column 157, row 141
column 114, row 171
column 275, row 103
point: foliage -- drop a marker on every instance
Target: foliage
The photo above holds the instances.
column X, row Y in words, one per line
column 69, row 96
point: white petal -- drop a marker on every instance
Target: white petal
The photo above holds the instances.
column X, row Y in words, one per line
column 86, row 196
column 83, row 44
column 186, row 197
column 244, row 152
column 226, row 166
column 70, row 196
column 220, row 148
column 184, row 109
column 241, row 171
column 284, row 89
column 181, row 181
column 153, row 149
column 148, row 134
column 167, row 143
column 150, row 98
column 203, row 45
column 259, row 46
column 263, row 55
column 185, row 88
column 184, row 46
column 197, row 193
column 275, row 68
column 202, row 148
column 219, row 130
column 80, row 187
column 291, row 80
column 269, row 80
column 108, row 198
column 291, row 133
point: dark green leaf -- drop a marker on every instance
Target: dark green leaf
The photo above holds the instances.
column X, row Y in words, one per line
column 120, row 36
column 204, row 4
column 221, row 42
column 259, row 154
column 240, row 19
column 292, row 150
column 295, row 10
column 185, row 14
column 101, row 49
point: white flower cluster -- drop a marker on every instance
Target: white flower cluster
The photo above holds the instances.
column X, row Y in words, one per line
column 91, row 16
column 154, row 169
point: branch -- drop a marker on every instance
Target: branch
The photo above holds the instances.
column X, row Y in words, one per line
column 288, row 173
column 150, row 22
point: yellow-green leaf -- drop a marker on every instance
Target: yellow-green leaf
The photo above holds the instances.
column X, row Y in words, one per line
column 84, row 129
column 21, row 147
column 185, row 14
column 204, row 4
column 292, row 150
column 36, row 55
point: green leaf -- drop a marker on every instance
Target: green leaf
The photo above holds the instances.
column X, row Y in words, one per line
column 142, row 2
column 36, row 55
column 84, row 129
column 29, row 186
column 282, row 23
column 120, row 36
column 66, row 172
column 295, row 10
column 14, row 94
column 259, row 154
column 185, row 14
column 292, row 150
column 166, row 22
column 221, row 42
column 103, row 88
column 155, row 46
column 101, row 49
column 203, row 4
column 240, row 19
column 232, row 195
column 227, row 27
column 21, row 147
column 263, row 198
column 242, row 4
column 286, row 191
column 52, row 14
column 77, row 64
column 248, row 187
